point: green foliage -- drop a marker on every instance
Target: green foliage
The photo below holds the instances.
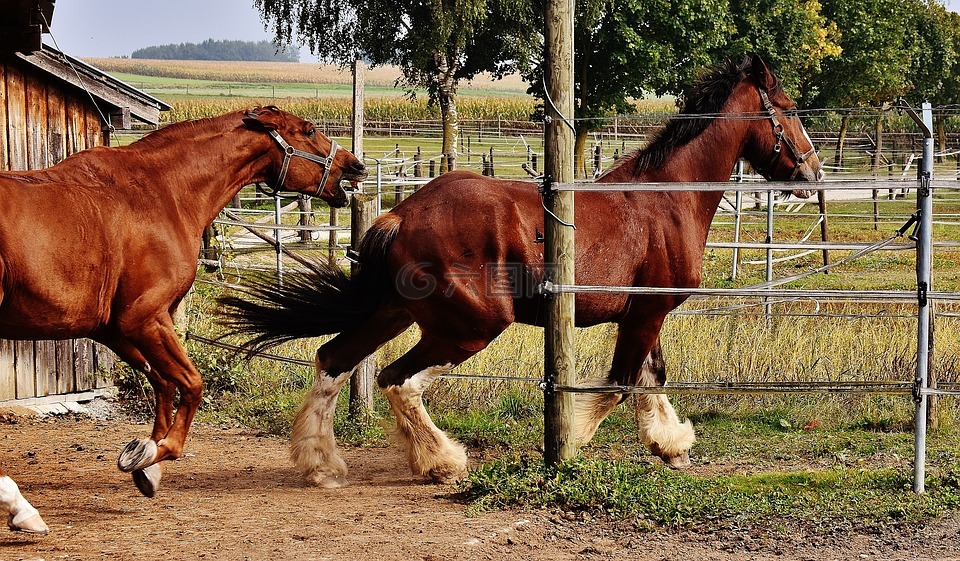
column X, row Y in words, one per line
column 874, row 59
column 436, row 44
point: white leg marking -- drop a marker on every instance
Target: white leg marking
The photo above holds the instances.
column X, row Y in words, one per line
column 21, row 514
column 313, row 446
column 430, row 452
column 659, row 426
column 662, row 431
column 591, row 409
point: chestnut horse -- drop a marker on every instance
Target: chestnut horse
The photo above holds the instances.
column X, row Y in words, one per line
column 21, row 516
column 461, row 259
column 104, row 244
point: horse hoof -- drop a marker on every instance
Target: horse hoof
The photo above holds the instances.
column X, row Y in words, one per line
column 449, row 473
column 333, row 482
column 30, row 525
column 139, row 454
column 679, row 461
column 147, row 479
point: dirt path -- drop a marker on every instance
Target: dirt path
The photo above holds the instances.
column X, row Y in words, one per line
column 235, row 496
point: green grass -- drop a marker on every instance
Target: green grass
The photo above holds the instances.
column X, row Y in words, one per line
column 746, row 473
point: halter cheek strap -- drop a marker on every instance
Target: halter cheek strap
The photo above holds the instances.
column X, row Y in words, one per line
column 782, row 138
column 290, row 152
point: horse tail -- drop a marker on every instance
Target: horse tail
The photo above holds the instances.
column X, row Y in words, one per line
column 320, row 300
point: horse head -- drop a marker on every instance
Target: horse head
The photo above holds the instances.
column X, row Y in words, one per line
column 294, row 138
column 779, row 147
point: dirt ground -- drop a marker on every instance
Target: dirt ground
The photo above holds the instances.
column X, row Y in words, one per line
column 235, row 496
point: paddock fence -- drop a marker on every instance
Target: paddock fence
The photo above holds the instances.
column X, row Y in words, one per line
column 289, row 230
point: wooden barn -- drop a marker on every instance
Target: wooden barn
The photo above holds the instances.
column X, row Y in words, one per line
column 53, row 105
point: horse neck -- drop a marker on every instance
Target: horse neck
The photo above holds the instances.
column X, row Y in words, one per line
column 709, row 157
column 202, row 172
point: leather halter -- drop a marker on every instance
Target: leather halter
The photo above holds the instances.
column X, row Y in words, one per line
column 782, row 138
column 290, row 152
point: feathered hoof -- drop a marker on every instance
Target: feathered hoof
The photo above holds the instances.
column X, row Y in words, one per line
column 147, row 479
column 680, row 461
column 451, row 470
column 31, row 523
column 328, row 481
column 138, row 454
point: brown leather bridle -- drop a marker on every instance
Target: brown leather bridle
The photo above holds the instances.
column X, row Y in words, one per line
column 780, row 134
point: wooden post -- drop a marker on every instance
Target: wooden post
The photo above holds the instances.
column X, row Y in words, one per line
column 305, row 206
column 333, row 238
column 559, row 351
column 492, row 172
column 208, row 251
column 362, row 213
column 356, row 135
column 418, row 164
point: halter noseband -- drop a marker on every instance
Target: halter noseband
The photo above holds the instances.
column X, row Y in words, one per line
column 289, row 152
column 778, row 132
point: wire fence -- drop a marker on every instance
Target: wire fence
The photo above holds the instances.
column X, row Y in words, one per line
column 396, row 176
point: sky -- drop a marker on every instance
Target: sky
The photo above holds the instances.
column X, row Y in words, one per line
column 107, row 28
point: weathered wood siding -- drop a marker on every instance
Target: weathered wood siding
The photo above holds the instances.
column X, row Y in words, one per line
column 42, row 121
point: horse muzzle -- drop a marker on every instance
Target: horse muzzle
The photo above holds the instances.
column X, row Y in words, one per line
column 340, row 199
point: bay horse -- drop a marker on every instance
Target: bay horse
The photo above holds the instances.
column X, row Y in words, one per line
column 461, row 259
column 104, row 244
column 21, row 516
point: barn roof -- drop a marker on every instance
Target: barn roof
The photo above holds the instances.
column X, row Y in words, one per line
column 112, row 96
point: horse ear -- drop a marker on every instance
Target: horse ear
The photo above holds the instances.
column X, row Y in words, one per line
column 761, row 73
column 259, row 119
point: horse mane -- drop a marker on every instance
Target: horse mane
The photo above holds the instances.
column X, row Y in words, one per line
column 183, row 128
column 702, row 103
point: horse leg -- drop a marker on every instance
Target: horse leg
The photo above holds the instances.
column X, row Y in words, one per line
column 313, row 445
column 430, row 452
column 170, row 364
column 147, row 479
column 21, row 516
column 660, row 428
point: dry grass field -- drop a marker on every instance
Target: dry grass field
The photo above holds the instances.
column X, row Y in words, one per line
column 279, row 72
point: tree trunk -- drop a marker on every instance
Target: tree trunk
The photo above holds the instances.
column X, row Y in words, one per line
column 878, row 155
column 447, row 99
column 841, row 138
column 579, row 154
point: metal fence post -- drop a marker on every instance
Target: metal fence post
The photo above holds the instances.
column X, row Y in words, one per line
column 770, row 203
column 924, row 263
column 737, row 218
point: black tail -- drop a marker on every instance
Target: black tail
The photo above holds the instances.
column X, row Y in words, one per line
column 319, row 301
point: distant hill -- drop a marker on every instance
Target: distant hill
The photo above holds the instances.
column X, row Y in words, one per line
column 263, row 51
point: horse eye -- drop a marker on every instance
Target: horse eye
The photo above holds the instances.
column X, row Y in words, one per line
column 311, row 132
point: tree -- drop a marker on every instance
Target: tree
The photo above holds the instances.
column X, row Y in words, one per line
column 436, row 44
column 872, row 66
column 933, row 74
column 793, row 36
